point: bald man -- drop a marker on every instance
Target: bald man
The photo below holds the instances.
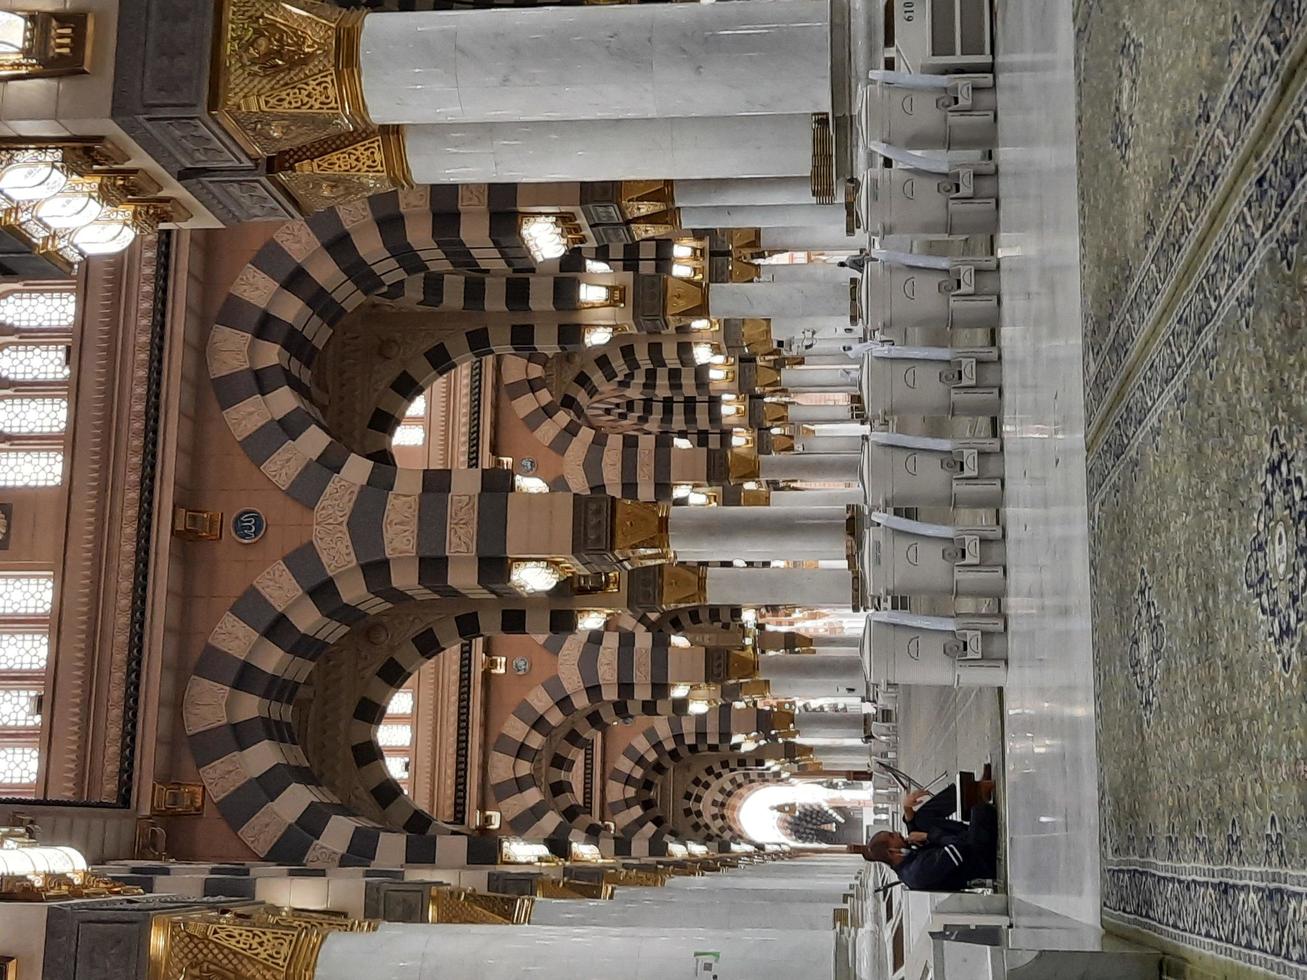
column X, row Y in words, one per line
column 939, row 854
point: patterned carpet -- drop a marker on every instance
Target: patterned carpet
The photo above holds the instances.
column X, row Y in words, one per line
column 1193, row 175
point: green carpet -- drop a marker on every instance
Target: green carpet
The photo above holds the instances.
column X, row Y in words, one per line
column 1192, row 138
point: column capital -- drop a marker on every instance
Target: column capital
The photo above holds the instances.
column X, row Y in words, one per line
column 288, row 73
column 640, row 533
column 344, row 168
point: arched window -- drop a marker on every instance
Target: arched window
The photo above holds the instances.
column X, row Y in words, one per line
column 36, row 338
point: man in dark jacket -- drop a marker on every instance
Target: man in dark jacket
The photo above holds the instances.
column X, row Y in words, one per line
column 939, row 854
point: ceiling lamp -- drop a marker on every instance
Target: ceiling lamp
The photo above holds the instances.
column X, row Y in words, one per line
column 106, row 235
column 598, row 336
column 544, row 236
column 13, row 36
column 515, row 851
column 69, row 209
column 530, row 484
column 583, row 853
column 530, row 577
column 704, row 353
column 32, row 180
column 592, row 619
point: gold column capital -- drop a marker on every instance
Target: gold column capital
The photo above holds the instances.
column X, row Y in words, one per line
column 742, row 665
column 684, row 585
column 742, row 464
column 288, row 73
column 755, row 332
column 640, row 533
column 344, row 168
column 251, row 941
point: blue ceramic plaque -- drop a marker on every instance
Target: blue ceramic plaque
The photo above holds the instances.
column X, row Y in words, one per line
column 248, row 525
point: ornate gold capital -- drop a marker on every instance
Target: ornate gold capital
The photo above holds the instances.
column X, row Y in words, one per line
column 640, row 532
column 756, row 334
column 767, row 377
column 744, row 271
column 288, row 73
column 568, row 888
column 775, row 413
column 641, row 198
column 742, row 665
column 684, row 585
column 742, row 464
column 252, row 942
column 684, row 298
column 344, row 168
column 463, row 905
column 782, row 721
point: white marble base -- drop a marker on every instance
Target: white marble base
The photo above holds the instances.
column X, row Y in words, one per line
column 1052, row 799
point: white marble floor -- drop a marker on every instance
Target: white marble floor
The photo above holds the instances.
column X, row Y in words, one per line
column 1052, row 798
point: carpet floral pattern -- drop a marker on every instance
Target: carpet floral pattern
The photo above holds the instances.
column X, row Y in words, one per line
column 1192, row 122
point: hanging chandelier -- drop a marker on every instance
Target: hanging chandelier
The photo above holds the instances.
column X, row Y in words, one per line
column 72, row 199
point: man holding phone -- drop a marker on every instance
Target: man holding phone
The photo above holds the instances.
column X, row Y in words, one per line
column 938, row 853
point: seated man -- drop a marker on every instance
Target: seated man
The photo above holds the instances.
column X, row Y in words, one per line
column 939, row 854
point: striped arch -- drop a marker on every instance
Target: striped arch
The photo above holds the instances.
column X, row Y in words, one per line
column 652, row 256
column 637, row 466
column 418, row 650
column 576, row 821
column 284, row 304
column 631, row 784
column 704, row 810
column 423, row 371
column 708, row 796
column 701, row 619
column 593, row 669
column 238, row 704
column 521, row 339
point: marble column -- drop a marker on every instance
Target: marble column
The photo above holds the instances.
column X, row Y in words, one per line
column 422, row 952
column 734, row 191
column 809, row 272
column 809, row 239
column 797, row 300
column 817, row 498
column 822, row 377
column 846, row 756
column 637, row 61
column 761, row 215
column 844, row 726
column 845, row 641
column 796, row 332
column 822, row 588
column 756, row 534
column 811, row 467
column 610, row 149
column 707, row 909
column 814, row 675
column 820, row 442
